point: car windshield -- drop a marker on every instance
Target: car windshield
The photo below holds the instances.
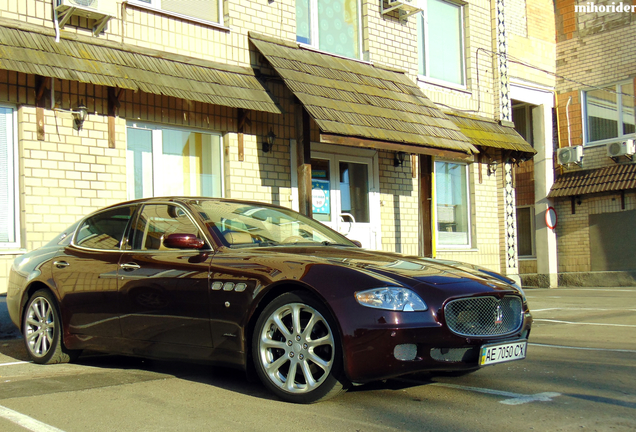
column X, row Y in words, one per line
column 251, row 225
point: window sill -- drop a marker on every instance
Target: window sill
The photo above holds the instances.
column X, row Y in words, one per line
column 314, row 49
column 10, row 251
column 176, row 15
column 608, row 141
column 456, row 249
column 422, row 79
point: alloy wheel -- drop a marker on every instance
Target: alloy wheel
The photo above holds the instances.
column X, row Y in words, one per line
column 40, row 327
column 296, row 348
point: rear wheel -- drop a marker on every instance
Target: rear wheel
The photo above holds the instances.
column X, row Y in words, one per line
column 42, row 331
column 297, row 351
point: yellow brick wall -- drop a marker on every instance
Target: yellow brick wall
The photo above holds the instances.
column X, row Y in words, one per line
column 71, row 173
column 532, row 52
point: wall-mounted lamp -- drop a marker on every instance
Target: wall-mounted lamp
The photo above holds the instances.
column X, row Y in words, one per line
column 398, row 158
column 268, row 142
column 79, row 115
column 492, row 167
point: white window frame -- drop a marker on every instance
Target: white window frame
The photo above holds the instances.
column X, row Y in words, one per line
column 13, row 177
column 586, row 126
column 469, row 205
column 314, row 34
column 533, row 254
column 422, row 19
column 157, row 150
column 156, row 5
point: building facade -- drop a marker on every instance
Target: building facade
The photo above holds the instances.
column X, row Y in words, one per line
column 388, row 121
column 595, row 192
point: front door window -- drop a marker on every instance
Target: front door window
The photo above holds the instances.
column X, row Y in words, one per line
column 342, row 195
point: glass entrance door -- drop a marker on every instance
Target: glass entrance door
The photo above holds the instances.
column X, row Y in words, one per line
column 343, row 196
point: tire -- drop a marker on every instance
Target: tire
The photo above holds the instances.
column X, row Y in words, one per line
column 42, row 330
column 295, row 335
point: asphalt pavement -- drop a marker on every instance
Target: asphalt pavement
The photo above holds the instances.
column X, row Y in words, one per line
column 7, row 329
column 579, row 375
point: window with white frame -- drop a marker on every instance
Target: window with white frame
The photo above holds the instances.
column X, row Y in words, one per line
column 206, row 10
column 609, row 112
column 167, row 162
column 440, row 28
column 9, row 210
column 452, row 209
column 330, row 25
column 525, row 231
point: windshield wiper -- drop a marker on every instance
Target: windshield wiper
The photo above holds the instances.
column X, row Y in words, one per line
column 328, row 243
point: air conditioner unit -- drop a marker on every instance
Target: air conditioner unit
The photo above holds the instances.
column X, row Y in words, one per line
column 406, row 7
column 84, row 4
column 568, row 155
column 626, row 148
column 84, row 8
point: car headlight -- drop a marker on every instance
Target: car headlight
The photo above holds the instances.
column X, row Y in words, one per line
column 391, row 298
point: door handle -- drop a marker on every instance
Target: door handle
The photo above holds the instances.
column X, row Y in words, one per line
column 61, row 264
column 130, row 266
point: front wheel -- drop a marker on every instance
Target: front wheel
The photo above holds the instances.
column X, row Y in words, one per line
column 42, row 330
column 296, row 350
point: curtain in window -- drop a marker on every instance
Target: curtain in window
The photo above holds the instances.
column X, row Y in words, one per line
column 338, row 27
column 7, row 178
column 165, row 162
column 139, row 169
column 602, row 114
column 202, row 9
column 628, row 108
column 303, row 22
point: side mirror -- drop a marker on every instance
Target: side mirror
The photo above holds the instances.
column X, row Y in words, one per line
column 183, row 241
column 356, row 242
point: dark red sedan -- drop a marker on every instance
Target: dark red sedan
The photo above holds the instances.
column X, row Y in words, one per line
column 262, row 288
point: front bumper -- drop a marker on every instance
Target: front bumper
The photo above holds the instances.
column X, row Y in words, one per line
column 371, row 354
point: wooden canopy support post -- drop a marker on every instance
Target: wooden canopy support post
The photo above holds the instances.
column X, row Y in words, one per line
column 303, row 161
column 426, row 196
column 241, row 120
column 41, row 84
column 114, row 95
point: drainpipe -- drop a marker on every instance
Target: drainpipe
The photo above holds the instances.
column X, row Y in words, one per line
column 567, row 117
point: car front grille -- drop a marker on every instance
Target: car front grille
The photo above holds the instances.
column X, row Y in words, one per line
column 484, row 316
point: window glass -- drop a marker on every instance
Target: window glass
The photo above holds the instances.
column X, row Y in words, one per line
column 193, row 160
column 610, row 112
column 524, row 231
column 354, row 190
column 140, row 183
column 8, row 200
column 303, row 22
column 241, row 225
column 329, row 25
column 628, row 108
column 104, row 230
column 321, row 190
column 452, row 209
column 157, row 221
column 441, row 42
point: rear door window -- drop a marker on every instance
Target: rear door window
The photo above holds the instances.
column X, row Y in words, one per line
column 105, row 230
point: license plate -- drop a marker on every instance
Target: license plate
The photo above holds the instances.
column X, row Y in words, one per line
column 503, row 352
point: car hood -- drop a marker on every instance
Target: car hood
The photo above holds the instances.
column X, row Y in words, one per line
column 400, row 269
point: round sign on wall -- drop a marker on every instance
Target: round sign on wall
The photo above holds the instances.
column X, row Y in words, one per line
column 551, row 218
